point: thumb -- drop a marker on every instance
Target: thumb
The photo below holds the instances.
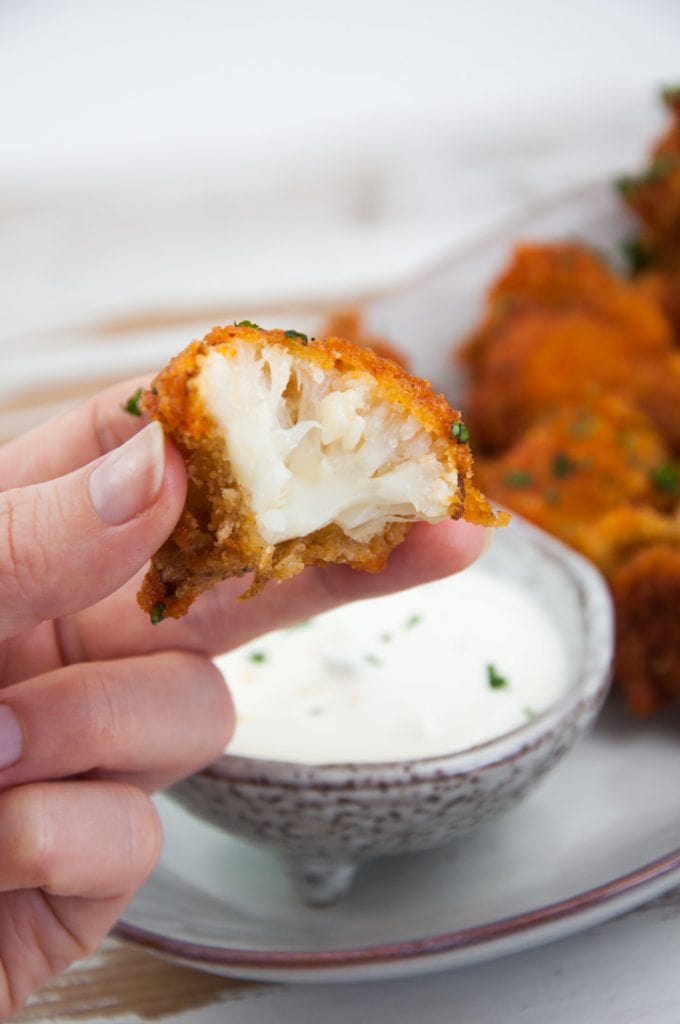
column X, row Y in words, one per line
column 70, row 542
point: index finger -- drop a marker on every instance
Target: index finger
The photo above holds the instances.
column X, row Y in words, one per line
column 218, row 622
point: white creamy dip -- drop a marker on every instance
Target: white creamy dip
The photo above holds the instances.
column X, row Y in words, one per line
column 426, row 671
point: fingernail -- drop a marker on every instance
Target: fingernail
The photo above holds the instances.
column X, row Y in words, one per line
column 129, row 479
column 11, row 738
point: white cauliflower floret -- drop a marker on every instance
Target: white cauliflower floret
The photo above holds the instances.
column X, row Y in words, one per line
column 310, row 448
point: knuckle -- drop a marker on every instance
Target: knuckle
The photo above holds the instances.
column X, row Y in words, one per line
column 143, row 832
column 103, row 717
column 214, row 702
column 30, row 849
column 24, row 561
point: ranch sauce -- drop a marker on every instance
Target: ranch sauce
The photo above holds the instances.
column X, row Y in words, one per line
column 426, row 671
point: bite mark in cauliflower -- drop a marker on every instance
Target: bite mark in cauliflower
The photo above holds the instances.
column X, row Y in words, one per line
column 299, row 454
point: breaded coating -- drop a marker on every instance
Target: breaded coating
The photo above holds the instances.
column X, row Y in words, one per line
column 654, row 197
column 564, row 277
column 545, row 358
column 615, row 537
column 561, row 327
column 299, row 453
column 600, row 477
column 584, row 461
column 663, row 290
column 646, row 593
column 348, row 324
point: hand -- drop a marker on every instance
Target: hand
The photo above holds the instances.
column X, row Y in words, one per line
column 98, row 707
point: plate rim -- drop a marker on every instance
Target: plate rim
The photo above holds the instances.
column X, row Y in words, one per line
column 473, row 937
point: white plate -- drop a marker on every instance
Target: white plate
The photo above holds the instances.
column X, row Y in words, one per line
column 601, row 835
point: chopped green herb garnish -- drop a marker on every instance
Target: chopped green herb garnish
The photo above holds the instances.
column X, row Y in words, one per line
column 157, row 613
column 562, row 465
column 373, row 659
column 385, row 638
column 660, row 168
column 495, row 680
column 257, row 657
column 583, row 425
column 551, row 496
column 666, row 477
column 132, row 404
column 518, row 478
column 529, row 713
column 413, row 620
column 637, row 254
column 297, row 334
column 626, row 440
column 154, row 391
column 625, row 185
column 247, row 323
column 459, row 432
column 503, row 304
column 670, row 94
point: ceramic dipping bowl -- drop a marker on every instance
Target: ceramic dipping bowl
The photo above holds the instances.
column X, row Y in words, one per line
column 325, row 820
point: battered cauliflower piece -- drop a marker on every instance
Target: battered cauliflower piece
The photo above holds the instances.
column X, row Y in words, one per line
column 562, row 278
column 654, row 196
column 581, row 463
column 348, row 324
column 299, row 453
column 646, row 593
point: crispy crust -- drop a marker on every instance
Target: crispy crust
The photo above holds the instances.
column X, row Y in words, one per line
column 564, row 277
column 562, row 331
column 583, row 462
column 200, row 551
column 347, row 324
column 647, row 597
column 654, row 196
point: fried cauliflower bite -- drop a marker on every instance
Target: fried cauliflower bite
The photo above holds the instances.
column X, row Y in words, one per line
column 654, row 196
column 600, row 478
column 299, row 454
column 561, row 327
column 563, row 277
column 618, row 535
column 663, row 290
column 646, row 592
column 583, row 462
column 544, row 359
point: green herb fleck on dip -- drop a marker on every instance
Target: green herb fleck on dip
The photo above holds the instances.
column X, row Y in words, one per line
column 495, row 680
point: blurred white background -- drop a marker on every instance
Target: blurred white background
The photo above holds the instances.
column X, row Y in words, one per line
column 177, row 154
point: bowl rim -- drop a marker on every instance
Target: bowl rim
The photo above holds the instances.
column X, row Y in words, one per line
column 586, row 693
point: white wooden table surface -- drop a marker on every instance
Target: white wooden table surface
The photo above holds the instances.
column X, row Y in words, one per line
column 623, row 972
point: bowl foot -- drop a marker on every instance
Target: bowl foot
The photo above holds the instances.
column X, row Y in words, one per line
column 318, row 882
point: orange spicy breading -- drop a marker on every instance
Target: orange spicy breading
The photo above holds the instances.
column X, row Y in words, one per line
column 299, row 453
column 347, row 324
column 563, row 277
column 646, row 593
column 654, row 196
column 545, row 358
column 563, row 333
column 583, row 462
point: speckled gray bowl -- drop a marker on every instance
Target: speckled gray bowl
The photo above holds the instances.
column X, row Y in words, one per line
column 326, row 819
